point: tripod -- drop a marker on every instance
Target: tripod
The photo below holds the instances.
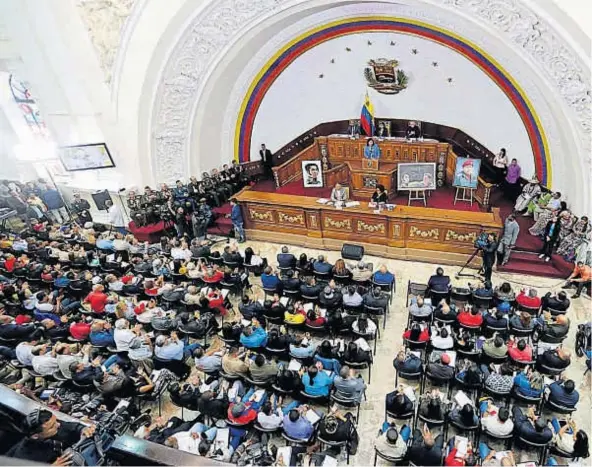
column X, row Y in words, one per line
column 460, row 273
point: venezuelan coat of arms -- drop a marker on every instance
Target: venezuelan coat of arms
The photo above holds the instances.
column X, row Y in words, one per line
column 384, row 75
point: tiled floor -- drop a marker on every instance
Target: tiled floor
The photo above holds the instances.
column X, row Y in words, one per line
column 372, row 410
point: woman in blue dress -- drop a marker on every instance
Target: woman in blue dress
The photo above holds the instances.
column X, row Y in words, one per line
column 371, row 151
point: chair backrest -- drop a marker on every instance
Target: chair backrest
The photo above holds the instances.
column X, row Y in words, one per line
column 532, row 310
column 531, row 444
column 482, row 302
column 559, row 408
column 556, row 312
column 374, row 310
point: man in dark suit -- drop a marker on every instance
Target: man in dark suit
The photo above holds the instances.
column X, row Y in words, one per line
column 290, row 282
column 551, row 236
column 286, row 259
column 407, row 362
column 322, row 266
column 558, row 302
column 489, row 256
column 530, row 427
column 267, row 159
column 564, row 393
column 376, row 299
column 439, row 282
column 558, row 359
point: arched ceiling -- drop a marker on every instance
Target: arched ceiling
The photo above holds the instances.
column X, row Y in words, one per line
column 183, row 112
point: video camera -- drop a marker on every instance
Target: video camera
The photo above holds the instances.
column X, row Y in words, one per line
column 481, row 241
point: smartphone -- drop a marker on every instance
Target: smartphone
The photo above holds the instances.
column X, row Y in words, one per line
column 46, row 394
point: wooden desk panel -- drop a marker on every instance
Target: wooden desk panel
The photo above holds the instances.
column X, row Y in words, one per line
column 407, row 232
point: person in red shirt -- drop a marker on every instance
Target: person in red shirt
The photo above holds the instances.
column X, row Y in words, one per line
column 416, row 333
column 531, row 300
column 211, row 275
column 22, row 319
column 241, row 413
column 455, row 459
column 470, row 318
column 9, row 263
column 520, row 351
column 79, row 330
column 216, row 301
column 97, row 299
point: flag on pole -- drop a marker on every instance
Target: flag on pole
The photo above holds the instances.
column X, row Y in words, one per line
column 367, row 117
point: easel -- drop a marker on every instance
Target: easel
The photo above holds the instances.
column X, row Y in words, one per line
column 417, row 195
column 464, row 194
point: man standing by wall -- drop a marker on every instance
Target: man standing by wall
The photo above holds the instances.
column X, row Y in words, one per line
column 267, row 160
column 116, row 218
column 508, row 240
column 236, row 217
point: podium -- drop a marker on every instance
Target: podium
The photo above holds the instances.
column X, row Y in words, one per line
column 371, row 164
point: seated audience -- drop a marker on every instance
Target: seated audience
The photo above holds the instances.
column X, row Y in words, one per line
column 352, row 298
column 495, row 347
column 439, row 282
column 556, row 359
column 495, row 420
column 425, row 449
column 464, row 416
column 529, row 383
column 316, row 382
column 557, row 302
column 348, row 385
column 321, row 265
column 383, row 276
column 520, row 351
column 361, row 273
column 392, row 443
column 530, row 300
column 407, row 362
column 417, row 333
column 470, row 317
column 440, row 368
column 419, row 309
column 564, row 393
column 499, row 381
column 504, row 292
column 530, row 427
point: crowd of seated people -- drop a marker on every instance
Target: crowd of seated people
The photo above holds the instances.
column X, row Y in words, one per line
column 491, row 361
column 131, row 322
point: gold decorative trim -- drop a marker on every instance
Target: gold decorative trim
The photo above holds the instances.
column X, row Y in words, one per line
column 341, row 224
column 313, row 221
column 372, row 228
column 465, row 237
column 397, row 230
column 296, row 219
column 261, row 216
column 415, row 232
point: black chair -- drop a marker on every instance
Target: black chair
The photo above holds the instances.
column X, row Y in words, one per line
column 483, row 303
column 547, row 370
column 417, row 376
column 322, row 276
column 342, row 280
column 295, row 441
column 387, row 458
column 555, row 312
column 389, row 289
column 318, row 400
column 460, row 297
column 541, row 447
column 361, row 366
column 554, row 407
column 536, row 401
column 468, row 354
column 520, row 332
column 292, row 294
column 344, row 402
column 437, row 297
column 534, row 311
column 376, row 311
column 506, row 439
column 403, row 416
column 336, row 445
column 472, row 430
column 262, row 430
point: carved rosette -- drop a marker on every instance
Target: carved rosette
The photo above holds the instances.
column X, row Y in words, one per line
column 341, row 224
column 371, row 228
column 290, row 219
column 265, row 216
column 431, row 233
column 451, row 235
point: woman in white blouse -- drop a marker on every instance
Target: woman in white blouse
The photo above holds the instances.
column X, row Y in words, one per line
column 500, row 163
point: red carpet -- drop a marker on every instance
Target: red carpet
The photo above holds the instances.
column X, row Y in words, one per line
column 524, row 259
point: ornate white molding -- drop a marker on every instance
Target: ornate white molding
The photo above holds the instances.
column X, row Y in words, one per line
column 224, row 21
column 104, row 20
column 533, row 35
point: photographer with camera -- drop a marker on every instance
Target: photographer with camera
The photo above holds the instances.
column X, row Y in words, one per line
column 487, row 243
column 47, row 438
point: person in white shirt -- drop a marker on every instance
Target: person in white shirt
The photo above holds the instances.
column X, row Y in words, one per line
column 120, row 243
column 45, row 363
column 500, row 162
column 123, row 335
column 442, row 339
column 270, row 418
column 352, row 297
column 496, row 420
column 197, row 440
column 339, row 195
column 24, row 353
column 116, row 218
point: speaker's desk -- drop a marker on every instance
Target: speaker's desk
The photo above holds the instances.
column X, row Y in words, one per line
column 407, row 232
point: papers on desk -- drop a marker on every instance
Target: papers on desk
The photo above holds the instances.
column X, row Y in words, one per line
column 312, row 416
column 463, row 444
column 351, row 204
column 283, row 456
column 410, row 393
column 323, row 201
column 258, row 394
column 224, row 292
column 284, row 300
column 294, row 365
column 461, row 399
column 329, row 461
column 362, row 344
column 307, row 307
column 499, row 455
column 222, row 438
column 338, row 343
column 452, row 355
column 245, row 322
column 525, row 464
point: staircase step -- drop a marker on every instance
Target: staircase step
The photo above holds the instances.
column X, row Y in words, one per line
column 526, row 257
column 523, row 267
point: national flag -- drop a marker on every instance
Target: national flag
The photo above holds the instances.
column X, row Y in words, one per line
column 367, row 117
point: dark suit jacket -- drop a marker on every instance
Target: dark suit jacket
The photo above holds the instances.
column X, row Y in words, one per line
column 291, row 284
column 286, row 260
column 556, row 231
column 439, row 283
column 554, row 303
column 551, row 359
column 323, row 267
column 266, row 156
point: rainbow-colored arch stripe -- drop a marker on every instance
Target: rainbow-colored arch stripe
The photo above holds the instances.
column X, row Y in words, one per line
column 286, row 55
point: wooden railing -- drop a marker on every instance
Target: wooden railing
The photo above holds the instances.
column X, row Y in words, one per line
column 338, row 174
column 292, row 170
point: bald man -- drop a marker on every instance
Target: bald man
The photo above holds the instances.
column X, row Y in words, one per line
column 554, row 327
column 557, row 359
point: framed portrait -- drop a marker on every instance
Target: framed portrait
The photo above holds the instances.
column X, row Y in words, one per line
column 86, row 157
column 312, row 175
column 466, row 173
column 416, row 176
